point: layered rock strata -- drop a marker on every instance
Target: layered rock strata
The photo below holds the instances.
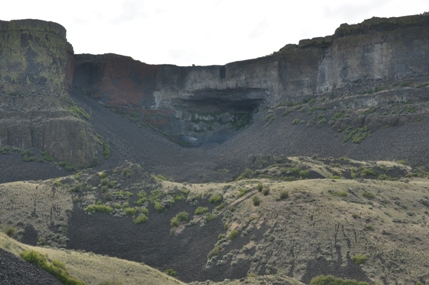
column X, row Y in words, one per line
column 36, row 70
column 203, row 104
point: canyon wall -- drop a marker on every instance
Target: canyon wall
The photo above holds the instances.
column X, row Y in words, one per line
column 202, row 104
column 36, row 71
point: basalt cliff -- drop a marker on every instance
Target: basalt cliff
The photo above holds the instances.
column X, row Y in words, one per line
column 360, row 80
column 310, row 161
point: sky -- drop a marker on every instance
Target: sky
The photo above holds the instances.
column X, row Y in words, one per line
column 200, row 32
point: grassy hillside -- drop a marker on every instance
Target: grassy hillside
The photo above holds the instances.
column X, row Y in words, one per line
column 299, row 217
column 95, row 269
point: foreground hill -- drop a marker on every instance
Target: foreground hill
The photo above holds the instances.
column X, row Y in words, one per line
column 301, row 217
column 87, row 267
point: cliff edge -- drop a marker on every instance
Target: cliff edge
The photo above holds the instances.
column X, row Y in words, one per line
column 36, row 69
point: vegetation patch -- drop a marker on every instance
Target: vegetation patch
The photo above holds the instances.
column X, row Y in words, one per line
column 331, row 280
column 56, row 268
column 140, row 219
column 216, row 198
column 359, row 258
column 99, row 208
column 233, row 234
column 201, row 210
column 180, row 217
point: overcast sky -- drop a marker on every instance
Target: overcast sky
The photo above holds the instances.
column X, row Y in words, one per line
column 200, row 32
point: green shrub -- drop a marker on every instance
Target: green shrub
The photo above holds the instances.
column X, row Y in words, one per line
column 241, row 192
column 210, row 217
column 368, row 195
column 68, row 166
column 170, row 272
column 144, row 210
column 127, row 172
column 99, row 208
column 179, row 197
column 77, row 187
column 201, row 210
column 233, row 234
column 130, row 211
column 214, row 252
column 256, row 200
column 159, row 207
column 142, row 198
column 247, row 174
column 27, row 156
column 58, row 183
column 382, row 177
column 106, row 151
column 338, row 193
column 78, row 111
column 265, row 191
column 303, row 173
column 260, row 187
column 216, row 198
column 182, row 216
column 284, row 194
column 102, row 175
column 220, row 207
column 359, row 258
column 56, row 268
column 10, row 231
column 367, row 171
column 403, row 161
column 142, row 218
column 331, row 280
column 47, row 156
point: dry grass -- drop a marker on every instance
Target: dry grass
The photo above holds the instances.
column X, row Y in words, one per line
column 93, row 268
column 40, row 204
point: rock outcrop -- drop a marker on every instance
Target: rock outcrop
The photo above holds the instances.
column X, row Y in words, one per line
column 36, row 70
column 204, row 104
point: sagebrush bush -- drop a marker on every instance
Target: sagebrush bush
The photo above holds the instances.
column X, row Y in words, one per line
column 130, row 211
column 256, row 200
column 284, row 194
column 329, row 280
column 99, row 208
column 142, row 218
column 170, row 272
column 216, row 198
column 233, row 234
column 260, row 187
column 359, row 258
column 159, row 207
column 10, row 231
column 201, row 210
column 182, row 216
column 368, row 195
column 214, row 252
column 56, row 268
column 210, row 217
column 266, row 191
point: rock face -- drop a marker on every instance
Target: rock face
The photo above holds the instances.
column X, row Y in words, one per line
column 36, row 70
column 197, row 105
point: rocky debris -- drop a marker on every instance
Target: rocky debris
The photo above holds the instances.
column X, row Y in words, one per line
column 15, row 271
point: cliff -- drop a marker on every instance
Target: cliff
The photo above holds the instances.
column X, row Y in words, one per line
column 204, row 104
column 36, row 69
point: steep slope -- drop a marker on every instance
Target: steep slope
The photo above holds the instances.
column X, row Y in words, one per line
column 36, row 70
column 87, row 267
column 301, row 217
column 379, row 63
